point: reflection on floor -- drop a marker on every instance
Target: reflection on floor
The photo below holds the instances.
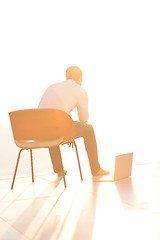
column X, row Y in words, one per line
column 88, row 210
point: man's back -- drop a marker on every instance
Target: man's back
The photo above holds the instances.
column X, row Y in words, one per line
column 66, row 96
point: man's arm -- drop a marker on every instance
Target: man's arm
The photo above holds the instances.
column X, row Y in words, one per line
column 82, row 107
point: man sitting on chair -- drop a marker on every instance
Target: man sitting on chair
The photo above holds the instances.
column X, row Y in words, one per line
column 66, row 96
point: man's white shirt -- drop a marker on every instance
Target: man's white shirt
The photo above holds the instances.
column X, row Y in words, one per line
column 66, row 96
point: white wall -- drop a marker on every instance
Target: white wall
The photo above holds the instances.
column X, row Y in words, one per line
column 116, row 43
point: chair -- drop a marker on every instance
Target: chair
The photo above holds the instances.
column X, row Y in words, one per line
column 41, row 128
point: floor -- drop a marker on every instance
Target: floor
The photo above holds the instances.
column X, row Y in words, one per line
column 89, row 210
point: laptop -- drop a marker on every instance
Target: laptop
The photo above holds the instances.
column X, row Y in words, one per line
column 122, row 169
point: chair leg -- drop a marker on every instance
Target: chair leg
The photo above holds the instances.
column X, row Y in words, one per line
column 64, row 180
column 80, row 171
column 15, row 172
column 31, row 155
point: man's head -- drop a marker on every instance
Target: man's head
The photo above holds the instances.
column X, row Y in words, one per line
column 74, row 73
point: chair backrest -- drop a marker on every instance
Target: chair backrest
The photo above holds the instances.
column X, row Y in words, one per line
column 41, row 124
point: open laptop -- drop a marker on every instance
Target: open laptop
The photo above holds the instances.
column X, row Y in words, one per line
column 122, row 169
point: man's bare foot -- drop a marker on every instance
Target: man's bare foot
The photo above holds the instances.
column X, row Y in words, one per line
column 101, row 172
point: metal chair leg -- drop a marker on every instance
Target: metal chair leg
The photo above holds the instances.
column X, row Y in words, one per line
column 73, row 144
column 64, row 180
column 15, row 172
column 31, row 155
column 80, row 171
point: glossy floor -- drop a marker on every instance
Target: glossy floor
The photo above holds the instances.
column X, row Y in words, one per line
column 88, row 210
